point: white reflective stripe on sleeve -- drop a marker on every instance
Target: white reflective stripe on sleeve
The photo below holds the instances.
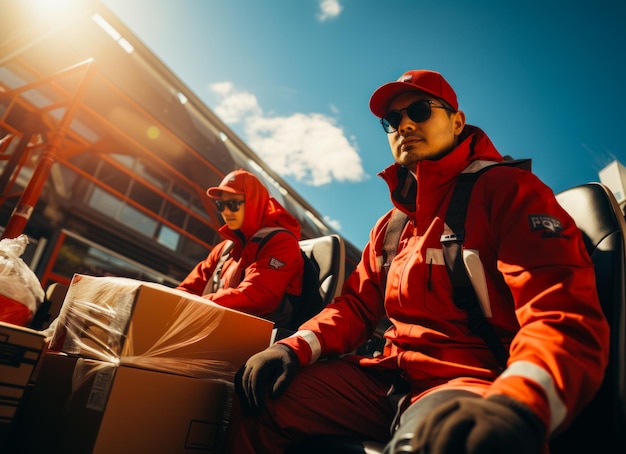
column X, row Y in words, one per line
column 314, row 343
column 533, row 372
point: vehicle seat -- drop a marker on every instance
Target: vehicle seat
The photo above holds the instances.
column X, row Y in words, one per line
column 601, row 427
column 328, row 256
column 328, row 252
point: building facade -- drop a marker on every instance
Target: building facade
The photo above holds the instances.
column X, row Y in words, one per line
column 105, row 155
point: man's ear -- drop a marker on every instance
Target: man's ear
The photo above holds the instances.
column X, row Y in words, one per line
column 459, row 122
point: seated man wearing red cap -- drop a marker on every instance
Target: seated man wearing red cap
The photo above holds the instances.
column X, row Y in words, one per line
column 453, row 394
column 256, row 271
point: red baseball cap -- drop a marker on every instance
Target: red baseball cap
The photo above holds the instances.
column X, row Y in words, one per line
column 430, row 82
column 234, row 182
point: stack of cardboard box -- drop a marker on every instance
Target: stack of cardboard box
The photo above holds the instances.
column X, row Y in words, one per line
column 138, row 367
column 20, row 350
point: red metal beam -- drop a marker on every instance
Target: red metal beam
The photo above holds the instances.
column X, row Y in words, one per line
column 26, row 205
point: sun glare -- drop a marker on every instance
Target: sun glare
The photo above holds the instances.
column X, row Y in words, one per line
column 51, row 7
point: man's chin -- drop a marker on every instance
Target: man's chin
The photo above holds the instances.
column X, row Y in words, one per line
column 407, row 159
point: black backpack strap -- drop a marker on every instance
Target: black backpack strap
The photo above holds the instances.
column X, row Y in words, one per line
column 262, row 236
column 390, row 242
column 284, row 317
column 464, row 294
column 375, row 344
column 214, row 284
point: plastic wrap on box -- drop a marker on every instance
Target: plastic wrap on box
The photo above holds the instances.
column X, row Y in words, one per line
column 148, row 325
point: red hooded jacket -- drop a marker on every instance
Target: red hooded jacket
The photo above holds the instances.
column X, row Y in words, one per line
column 254, row 280
column 539, row 287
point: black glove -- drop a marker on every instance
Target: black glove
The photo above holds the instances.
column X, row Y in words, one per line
column 275, row 366
column 468, row 425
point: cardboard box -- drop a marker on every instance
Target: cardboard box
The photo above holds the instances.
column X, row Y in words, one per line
column 89, row 406
column 20, row 349
column 107, row 318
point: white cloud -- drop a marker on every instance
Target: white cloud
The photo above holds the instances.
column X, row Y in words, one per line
column 334, row 223
column 307, row 146
column 222, row 88
column 234, row 105
column 329, row 9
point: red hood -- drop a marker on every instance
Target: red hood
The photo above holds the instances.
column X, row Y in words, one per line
column 261, row 211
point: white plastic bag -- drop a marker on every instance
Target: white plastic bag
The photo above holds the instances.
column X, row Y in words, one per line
column 17, row 281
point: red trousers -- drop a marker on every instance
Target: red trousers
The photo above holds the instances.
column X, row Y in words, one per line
column 332, row 397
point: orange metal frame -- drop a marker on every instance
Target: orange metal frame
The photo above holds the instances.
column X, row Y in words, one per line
column 26, row 205
column 52, row 151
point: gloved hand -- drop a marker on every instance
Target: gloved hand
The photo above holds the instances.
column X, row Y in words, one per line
column 274, row 367
column 468, row 425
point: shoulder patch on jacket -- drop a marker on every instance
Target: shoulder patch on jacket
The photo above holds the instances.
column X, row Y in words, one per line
column 276, row 264
column 550, row 226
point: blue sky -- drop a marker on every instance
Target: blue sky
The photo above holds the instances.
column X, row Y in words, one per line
column 544, row 79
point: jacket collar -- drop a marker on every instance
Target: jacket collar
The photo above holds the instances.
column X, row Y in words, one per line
column 436, row 177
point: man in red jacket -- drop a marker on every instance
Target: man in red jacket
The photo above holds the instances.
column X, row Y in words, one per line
column 256, row 273
column 536, row 287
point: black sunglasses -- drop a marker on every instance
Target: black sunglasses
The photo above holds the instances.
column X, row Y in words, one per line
column 233, row 205
column 419, row 111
